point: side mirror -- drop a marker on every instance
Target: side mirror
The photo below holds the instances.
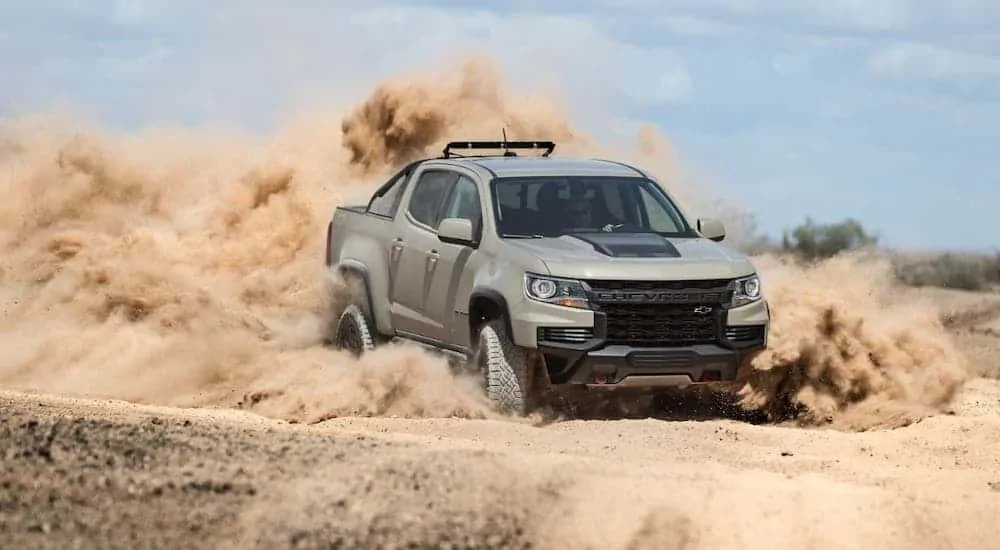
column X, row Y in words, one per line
column 712, row 229
column 456, row 231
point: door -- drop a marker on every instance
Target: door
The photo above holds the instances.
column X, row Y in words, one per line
column 413, row 253
column 449, row 262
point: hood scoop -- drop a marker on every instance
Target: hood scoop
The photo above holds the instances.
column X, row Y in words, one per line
column 630, row 245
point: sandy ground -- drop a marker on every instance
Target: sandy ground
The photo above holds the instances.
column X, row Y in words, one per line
column 109, row 474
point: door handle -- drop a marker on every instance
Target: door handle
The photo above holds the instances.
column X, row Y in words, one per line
column 396, row 249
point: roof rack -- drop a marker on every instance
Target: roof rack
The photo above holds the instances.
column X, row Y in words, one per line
column 549, row 146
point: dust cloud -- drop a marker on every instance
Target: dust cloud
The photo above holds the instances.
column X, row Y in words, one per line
column 846, row 348
column 184, row 267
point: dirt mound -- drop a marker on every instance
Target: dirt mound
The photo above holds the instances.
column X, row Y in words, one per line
column 424, row 499
column 185, row 268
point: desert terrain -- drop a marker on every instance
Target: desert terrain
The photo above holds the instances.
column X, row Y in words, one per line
column 163, row 382
column 111, row 474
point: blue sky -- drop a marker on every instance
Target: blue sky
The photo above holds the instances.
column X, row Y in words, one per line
column 884, row 110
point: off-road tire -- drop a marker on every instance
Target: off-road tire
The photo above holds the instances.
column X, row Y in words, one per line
column 506, row 371
column 354, row 332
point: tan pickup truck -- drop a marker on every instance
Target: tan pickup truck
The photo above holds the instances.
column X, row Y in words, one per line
column 545, row 272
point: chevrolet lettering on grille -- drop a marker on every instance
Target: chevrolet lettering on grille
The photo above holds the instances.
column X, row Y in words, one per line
column 661, row 297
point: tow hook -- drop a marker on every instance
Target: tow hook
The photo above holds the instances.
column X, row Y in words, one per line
column 604, row 374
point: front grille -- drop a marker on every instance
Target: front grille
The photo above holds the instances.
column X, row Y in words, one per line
column 569, row 335
column 660, row 325
column 661, row 313
column 712, row 291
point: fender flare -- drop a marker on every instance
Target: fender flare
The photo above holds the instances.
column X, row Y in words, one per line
column 495, row 297
column 350, row 267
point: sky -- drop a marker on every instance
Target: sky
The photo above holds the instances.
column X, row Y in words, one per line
column 880, row 110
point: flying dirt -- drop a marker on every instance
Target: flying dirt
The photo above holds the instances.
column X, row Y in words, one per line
column 183, row 268
column 180, row 268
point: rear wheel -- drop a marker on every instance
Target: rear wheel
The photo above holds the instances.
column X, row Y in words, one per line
column 506, row 370
column 354, row 332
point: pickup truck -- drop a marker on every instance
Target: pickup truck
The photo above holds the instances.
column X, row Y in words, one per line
column 545, row 273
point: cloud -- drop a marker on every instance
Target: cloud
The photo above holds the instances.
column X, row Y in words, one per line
column 186, row 61
column 843, row 15
column 935, row 63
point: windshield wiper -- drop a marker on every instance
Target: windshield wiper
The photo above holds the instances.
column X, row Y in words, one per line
column 517, row 236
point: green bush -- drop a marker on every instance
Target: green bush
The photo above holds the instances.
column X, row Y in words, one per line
column 813, row 241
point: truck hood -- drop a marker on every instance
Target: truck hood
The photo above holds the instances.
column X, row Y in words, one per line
column 635, row 256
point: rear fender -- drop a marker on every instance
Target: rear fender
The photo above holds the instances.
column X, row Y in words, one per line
column 351, row 271
column 361, row 251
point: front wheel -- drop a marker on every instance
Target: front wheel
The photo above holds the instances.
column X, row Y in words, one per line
column 505, row 369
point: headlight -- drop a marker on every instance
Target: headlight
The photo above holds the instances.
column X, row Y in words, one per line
column 552, row 290
column 745, row 291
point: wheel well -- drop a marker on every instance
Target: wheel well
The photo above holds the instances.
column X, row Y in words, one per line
column 482, row 309
column 356, row 289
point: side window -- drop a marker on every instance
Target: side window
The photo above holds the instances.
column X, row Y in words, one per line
column 464, row 202
column 386, row 204
column 425, row 202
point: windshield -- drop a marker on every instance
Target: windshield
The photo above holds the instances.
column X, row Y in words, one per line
column 550, row 206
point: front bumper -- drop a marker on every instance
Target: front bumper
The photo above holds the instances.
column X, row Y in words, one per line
column 630, row 367
column 578, row 349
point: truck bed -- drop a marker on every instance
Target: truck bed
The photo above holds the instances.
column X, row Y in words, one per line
column 354, row 234
column 356, row 208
